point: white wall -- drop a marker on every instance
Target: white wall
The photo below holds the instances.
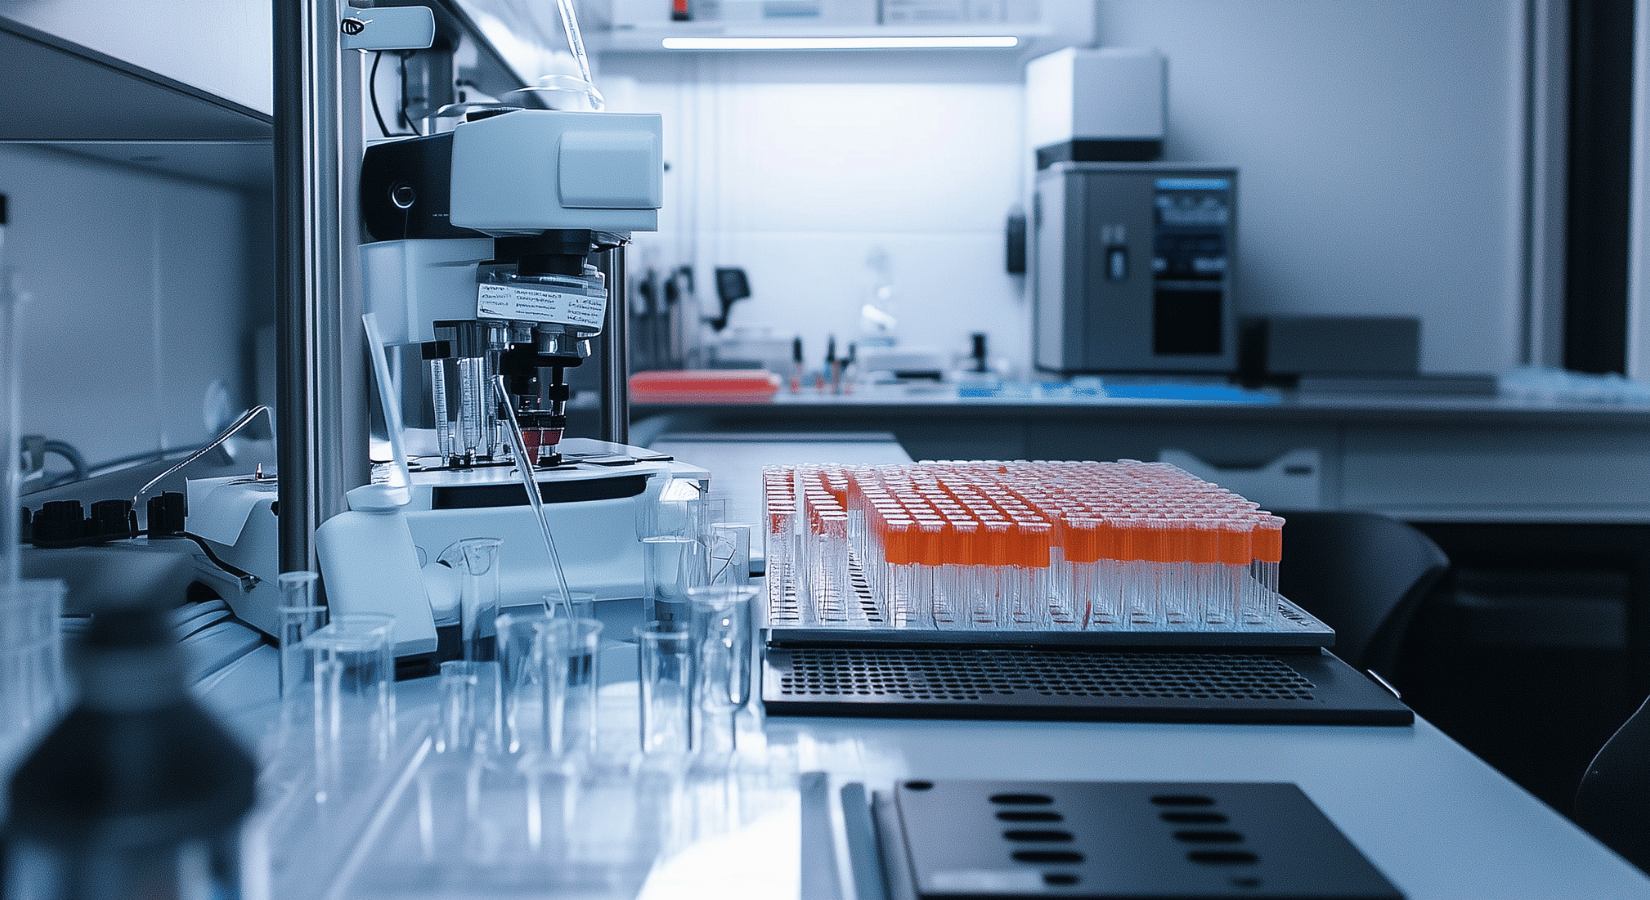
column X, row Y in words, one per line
column 1381, row 154
column 142, row 291
column 1380, row 146
column 795, row 166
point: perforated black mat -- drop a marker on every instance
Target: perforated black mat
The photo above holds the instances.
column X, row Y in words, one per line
column 1006, row 840
column 1052, row 683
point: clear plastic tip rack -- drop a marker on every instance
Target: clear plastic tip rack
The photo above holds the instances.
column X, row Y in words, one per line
column 1122, row 548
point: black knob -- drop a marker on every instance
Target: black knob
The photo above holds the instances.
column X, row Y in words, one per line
column 167, row 514
column 59, row 522
column 112, row 520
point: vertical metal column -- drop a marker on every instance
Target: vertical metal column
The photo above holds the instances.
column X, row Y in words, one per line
column 347, row 429
column 310, row 442
column 615, row 409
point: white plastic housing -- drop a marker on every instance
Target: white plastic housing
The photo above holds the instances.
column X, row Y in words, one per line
column 1114, row 93
column 370, row 565
column 530, row 170
column 411, row 284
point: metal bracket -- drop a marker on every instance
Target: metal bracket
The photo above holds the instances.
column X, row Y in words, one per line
column 389, row 28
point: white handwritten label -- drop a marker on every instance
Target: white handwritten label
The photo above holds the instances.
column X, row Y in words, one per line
column 506, row 301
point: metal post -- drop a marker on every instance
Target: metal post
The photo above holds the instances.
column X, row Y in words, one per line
column 311, row 441
column 615, row 409
column 346, row 432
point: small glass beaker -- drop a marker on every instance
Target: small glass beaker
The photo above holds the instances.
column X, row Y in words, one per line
column 352, row 661
column 471, row 707
column 573, row 652
column 724, row 635
column 671, row 565
column 298, row 617
column 476, row 561
column 31, row 664
column 529, row 694
column 730, row 554
column 665, row 657
column 582, row 603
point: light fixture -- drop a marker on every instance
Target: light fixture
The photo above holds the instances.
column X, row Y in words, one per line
column 960, row 42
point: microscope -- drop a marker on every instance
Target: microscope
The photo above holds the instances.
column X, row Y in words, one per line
column 483, row 252
column 484, row 263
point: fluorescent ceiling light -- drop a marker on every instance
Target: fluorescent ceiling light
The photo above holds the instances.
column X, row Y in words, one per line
column 960, row 42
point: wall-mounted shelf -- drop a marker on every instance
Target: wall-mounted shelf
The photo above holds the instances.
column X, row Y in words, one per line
column 1040, row 29
column 82, row 101
column 76, row 92
column 644, row 39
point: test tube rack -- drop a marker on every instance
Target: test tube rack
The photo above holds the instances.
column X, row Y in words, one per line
column 1124, row 553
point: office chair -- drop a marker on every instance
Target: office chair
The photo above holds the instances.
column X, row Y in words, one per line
column 1613, row 801
column 1364, row 575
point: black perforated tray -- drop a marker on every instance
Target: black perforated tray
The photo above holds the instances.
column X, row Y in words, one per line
column 1298, row 687
column 972, row 840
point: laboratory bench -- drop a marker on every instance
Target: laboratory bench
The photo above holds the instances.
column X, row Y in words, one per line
column 1415, row 457
column 1533, row 651
column 1435, row 819
column 1437, row 822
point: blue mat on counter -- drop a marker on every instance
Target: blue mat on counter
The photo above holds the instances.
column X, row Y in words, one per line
column 1200, row 392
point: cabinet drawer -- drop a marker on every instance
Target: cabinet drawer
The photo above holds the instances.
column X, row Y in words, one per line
column 1502, row 472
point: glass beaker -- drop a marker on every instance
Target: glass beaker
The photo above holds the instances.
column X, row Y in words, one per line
column 470, row 716
column 730, row 554
column 573, row 652
column 31, row 665
column 299, row 617
column 671, row 566
column 530, row 694
column 665, row 655
column 724, row 637
column 352, row 662
column 476, row 561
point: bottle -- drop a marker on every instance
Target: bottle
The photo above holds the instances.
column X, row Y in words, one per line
column 369, row 564
column 138, row 791
column 878, row 325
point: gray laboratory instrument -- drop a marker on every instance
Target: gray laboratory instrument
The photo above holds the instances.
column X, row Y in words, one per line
column 495, row 255
column 1132, row 268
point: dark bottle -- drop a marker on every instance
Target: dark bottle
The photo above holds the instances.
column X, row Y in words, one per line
column 137, row 794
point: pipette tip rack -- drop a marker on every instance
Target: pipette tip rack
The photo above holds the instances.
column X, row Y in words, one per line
column 1123, row 553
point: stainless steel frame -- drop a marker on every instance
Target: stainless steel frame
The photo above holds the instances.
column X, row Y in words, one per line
column 615, row 366
column 319, row 436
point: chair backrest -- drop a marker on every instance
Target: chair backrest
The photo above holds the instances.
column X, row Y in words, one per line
column 1364, row 575
column 1613, row 801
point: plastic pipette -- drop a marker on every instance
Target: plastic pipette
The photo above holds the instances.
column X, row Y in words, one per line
column 575, row 42
column 524, row 465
